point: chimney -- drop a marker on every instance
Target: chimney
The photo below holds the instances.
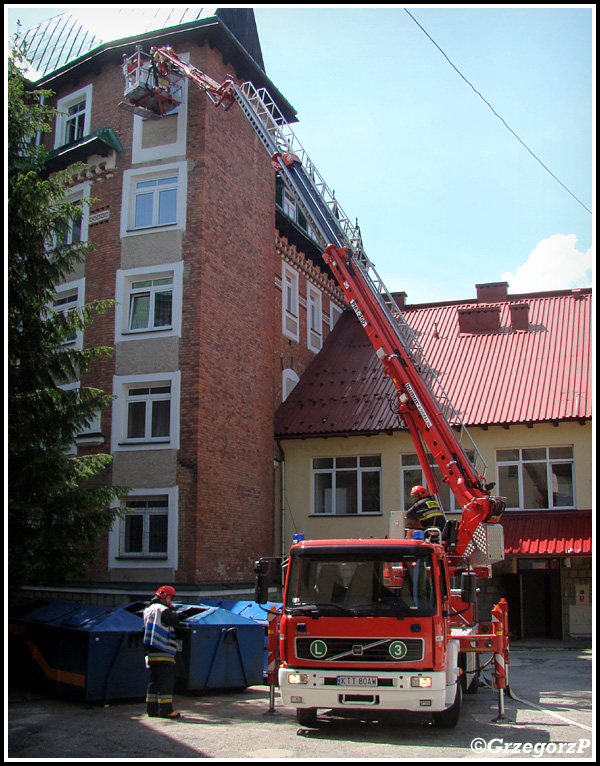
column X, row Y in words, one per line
column 492, row 292
column 519, row 316
column 479, row 319
column 400, row 299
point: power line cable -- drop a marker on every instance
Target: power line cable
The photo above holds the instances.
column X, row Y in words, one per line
column 496, row 113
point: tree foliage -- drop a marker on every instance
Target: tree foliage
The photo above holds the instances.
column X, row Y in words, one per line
column 57, row 502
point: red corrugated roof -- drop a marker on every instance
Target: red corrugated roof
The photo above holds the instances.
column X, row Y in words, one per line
column 560, row 533
column 542, row 374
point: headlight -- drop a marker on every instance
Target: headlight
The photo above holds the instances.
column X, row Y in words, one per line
column 421, row 682
column 298, row 678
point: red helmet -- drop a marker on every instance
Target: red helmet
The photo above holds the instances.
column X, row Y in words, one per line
column 419, row 491
column 165, row 590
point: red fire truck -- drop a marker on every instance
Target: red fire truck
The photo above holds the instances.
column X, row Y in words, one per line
column 373, row 624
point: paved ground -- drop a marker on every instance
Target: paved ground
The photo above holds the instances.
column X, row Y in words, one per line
column 552, row 718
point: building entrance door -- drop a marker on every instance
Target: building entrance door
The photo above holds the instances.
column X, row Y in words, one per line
column 540, row 597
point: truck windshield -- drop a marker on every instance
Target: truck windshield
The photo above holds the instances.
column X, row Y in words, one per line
column 402, row 585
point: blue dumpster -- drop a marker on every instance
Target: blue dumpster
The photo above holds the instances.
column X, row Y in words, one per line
column 219, row 650
column 81, row 651
column 253, row 611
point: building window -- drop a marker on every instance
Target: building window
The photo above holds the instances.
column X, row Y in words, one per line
column 76, row 230
column 155, row 202
column 149, row 300
column 346, row 485
column 154, row 199
column 151, row 303
column 155, row 140
column 315, row 319
column 412, row 474
column 70, row 297
column 149, row 413
column 290, row 302
column 289, row 205
column 144, row 530
column 73, row 117
column 147, row 530
column 536, row 478
column 146, row 412
column 89, row 433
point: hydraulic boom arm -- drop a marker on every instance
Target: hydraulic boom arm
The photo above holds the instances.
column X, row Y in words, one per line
column 424, row 408
column 428, row 428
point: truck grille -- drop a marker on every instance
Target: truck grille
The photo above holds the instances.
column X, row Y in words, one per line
column 382, row 650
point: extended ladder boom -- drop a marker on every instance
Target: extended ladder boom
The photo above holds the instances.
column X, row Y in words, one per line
column 422, row 402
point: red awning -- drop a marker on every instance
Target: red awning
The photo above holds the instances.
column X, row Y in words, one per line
column 540, row 533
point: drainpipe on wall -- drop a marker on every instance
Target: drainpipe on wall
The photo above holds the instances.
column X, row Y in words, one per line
column 282, row 501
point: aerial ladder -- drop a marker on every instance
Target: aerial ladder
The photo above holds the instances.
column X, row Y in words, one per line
column 154, row 85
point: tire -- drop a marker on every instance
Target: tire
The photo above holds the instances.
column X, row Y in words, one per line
column 447, row 719
column 307, row 716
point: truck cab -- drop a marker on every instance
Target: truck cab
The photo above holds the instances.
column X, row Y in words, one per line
column 365, row 624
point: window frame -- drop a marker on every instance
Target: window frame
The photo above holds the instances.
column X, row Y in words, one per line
column 146, row 514
column 130, row 193
column 290, row 302
column 122, row 385
column 336, row 470
column 314, row 318
column 125, row 279
column 154, row 188
column 62, row 116
column 549, row 462
column 118, row 560
column 176, row 148
column 62, row 292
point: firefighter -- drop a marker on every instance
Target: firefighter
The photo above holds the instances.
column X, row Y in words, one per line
column 160, row 619
column 425, row 511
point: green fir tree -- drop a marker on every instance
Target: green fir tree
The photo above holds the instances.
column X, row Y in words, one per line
column 58, row 503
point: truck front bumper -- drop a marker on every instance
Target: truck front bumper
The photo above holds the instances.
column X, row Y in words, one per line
column 417, row 690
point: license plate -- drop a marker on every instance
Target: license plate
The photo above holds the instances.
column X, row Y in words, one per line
column 357, row 681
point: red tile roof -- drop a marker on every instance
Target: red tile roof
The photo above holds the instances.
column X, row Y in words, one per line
column 502, row 376
column 535, row 533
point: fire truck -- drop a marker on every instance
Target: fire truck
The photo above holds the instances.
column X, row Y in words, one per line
column 368, row 625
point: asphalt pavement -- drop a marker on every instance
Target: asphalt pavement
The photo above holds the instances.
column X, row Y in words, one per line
column 548, row 715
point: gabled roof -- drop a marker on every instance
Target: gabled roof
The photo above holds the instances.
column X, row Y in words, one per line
column 68, row 36
column 498, row 376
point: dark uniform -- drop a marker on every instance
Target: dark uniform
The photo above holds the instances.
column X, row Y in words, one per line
column 159, row 643
column 427, row 512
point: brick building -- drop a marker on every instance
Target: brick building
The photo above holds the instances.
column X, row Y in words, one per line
column 210, row 265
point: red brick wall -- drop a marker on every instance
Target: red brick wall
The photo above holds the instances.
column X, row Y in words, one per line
column 227, row 343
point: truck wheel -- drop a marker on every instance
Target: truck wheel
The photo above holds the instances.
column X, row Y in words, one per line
column 448, row 718
column 307, row 716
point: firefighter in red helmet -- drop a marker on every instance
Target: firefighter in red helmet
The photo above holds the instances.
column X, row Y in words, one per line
column 160, row 621
column 425, row 511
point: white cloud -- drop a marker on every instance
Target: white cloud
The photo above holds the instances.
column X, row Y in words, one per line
column 554, row 264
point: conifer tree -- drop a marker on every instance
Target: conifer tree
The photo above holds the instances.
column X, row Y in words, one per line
column 58, row 502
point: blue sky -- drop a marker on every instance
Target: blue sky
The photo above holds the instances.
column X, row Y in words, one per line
column 445, row 195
